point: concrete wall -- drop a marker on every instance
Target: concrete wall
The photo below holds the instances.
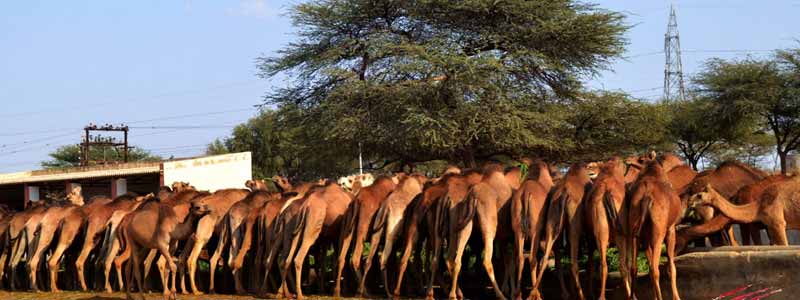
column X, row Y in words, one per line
column 211, row 173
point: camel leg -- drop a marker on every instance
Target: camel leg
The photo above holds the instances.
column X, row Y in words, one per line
column 574, row 244
column 88, row 244
column 214, row 260
column 391, row 233
column 52, row 265
column 731, row 235
column 107, row 261
column 601, row 240
column 488, row 227
column 136, row 264
column 344, row 246
column 653, row 252
column 45, row 237
column 411, row 239
column 286, row 258
column 671, row 261
column 634, row 270
column 187, row 247
column 777, row 231
column 128, row 277
column 560, row 273
column 456, row 251
column 163, row 275
column 237, row 262
column 148, row 262
column 434, row 264
column 3, row 259
column 310, row 235
column 358, row 252
column 534, row 263
column 163, row 248
column 118, row 265
column 268, row 264
column 373, row 248
column 205, row 228
column 16, row 256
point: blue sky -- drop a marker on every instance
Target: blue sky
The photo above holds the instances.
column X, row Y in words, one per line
column 64, row 64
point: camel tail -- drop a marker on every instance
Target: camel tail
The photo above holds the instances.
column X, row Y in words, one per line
column 561, row 209
column 442, row 210
column 105, row 249
column 380, row 217
column 611, row 212
column 469, row 211
column 525, row 200
column 350, row 218
column 301, row 221
column 120, row 234
column 33, row 241
column 647, row 203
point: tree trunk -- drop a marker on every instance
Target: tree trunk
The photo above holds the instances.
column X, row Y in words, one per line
column 468, row 158
column 693, row 161
column 782, row 156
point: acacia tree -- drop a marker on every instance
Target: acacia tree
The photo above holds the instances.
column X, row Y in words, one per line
column 430, row 79
column 763, row 91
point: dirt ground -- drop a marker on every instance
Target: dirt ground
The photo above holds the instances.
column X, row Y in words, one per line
column 106, row 296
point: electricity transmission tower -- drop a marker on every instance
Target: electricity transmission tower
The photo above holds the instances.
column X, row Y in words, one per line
column 673, row 69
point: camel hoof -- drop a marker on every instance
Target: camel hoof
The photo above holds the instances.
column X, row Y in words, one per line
column 197, row 293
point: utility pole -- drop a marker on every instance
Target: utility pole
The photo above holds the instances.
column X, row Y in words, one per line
column 673, row 69
column 90, row 141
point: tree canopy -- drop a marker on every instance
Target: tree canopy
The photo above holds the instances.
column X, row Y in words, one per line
column 433, row 79
column 69, row 156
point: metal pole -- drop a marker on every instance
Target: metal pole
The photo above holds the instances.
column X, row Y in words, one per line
column 360, row 162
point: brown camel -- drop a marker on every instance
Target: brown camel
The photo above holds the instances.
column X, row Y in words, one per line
column 603, row 205
column 279, row 237
column 95, row 224
column 454, row 222
column 153, row 226
column 179, row 201
column 13, row 236
column 527, row 220
column 213, row 209
column 358, row 222
column 565, row 214
column 727, row 179
column 237, row 230
column 389, row 222
column 653, row 208
column 321, row 214
column 778, row 209
column 750, row 231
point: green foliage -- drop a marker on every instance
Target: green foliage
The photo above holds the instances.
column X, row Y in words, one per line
column 762, row 92
column 415, row 81
column 69, row 156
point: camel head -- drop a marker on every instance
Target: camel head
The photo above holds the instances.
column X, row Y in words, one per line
column 179, row 186
column 593, row 169
column 75, row 196
column 281, row 182
column 144, row 198
column 703, row 197
column 256, row 185
column 451, row 169
column 366, row 179
column 164, row 192
column 200, row 205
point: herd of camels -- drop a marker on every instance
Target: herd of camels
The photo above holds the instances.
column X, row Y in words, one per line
column 504, row 217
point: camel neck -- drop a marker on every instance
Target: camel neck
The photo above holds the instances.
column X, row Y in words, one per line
column 745, row 213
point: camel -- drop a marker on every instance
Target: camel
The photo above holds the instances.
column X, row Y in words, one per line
column 321, row 217
column 527, row 220
column 237, row 230
column 454, row 221
column 38, row 232
column 565, row 214
column 389, row 222
column 727, row 179
column 97, row 216
column 13, row 236
column 750, row 231
column 652, row 207
column 153, row 226
column 213, row 209
column 279, row 236
column 777, row 208
column 603, row 205
column 358, row 222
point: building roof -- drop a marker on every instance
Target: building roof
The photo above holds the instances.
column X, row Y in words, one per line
column 114, row 170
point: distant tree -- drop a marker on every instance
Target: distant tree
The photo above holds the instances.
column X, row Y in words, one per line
column 69, row 156
column 414, row 81
column 763, row 91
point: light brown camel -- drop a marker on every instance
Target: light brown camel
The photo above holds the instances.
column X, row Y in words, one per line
column 237, row 230
column 565, row 214
column 357, row 223
column 727, row 179
column 653, row 209
column 603, row 205
column 153, row 226
column 266, row 219
column 778, row 209
column 389, row 222
column 528, row 209
column 750, row 231
column 66, row 216
column 321, row 214
column 213, row 209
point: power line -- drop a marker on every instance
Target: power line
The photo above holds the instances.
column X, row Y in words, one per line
column 703, row 51
column 189, row 115
column 34, row 141
column 184, row 127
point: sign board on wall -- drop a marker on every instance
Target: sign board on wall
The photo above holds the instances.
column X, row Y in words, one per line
column 211, row 172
